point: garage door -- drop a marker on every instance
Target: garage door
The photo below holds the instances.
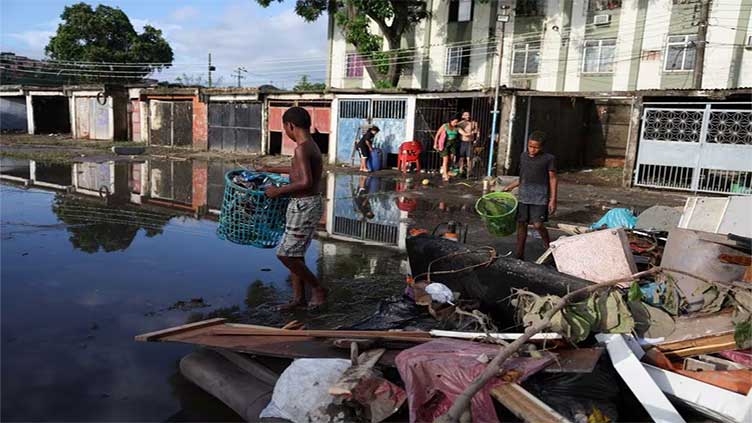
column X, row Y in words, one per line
column 235, row 127
column 171, row 123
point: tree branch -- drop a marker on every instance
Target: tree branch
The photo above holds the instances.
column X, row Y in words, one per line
column 463, row 401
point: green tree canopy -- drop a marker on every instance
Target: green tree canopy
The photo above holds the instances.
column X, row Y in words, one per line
column 393, row 17
column 305, row 85
column 105, row 34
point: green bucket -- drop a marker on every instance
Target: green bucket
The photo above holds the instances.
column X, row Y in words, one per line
column 498, row 211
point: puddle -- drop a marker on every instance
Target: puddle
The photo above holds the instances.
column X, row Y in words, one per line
column 96, row 253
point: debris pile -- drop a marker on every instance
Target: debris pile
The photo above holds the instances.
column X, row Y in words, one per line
column 629, row 312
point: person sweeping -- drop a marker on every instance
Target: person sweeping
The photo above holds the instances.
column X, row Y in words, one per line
column 538, row 190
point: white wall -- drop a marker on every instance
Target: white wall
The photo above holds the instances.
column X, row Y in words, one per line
column 719, row 52
column 550, row 66
column 745, row 71
column 654, row 39
column 624, row 43
column 576, row 41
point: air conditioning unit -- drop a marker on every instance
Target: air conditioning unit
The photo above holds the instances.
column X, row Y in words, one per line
column 748, row 44
column 602, row 19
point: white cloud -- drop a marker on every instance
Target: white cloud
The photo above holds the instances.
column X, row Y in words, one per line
column 34, row 40
column 184, row 13
column 279, row 48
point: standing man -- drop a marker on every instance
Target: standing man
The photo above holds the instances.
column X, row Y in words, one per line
column 468, row 136
column 365, row 147
column 537, row 195
column 305, row 208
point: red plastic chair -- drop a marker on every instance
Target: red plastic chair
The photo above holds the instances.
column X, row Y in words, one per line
column 409, row 152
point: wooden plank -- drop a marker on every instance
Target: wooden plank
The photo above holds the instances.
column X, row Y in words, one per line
column 638, row 380
column 155, row 336
column 707, row 345
column 386, row 335
column 355, row 374
column 502, row 336
column 718, row 403
column 524, row 405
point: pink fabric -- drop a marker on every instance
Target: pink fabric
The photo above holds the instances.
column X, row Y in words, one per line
column 442, row 138
column 743, row 357
column 436, row 373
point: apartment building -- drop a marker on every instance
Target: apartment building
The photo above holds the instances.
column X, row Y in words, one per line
column 565, row 45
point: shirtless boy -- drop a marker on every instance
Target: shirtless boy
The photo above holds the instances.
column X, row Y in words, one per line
column 305, row 209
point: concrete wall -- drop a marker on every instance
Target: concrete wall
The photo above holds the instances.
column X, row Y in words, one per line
column 640, row 28
column 13, row 114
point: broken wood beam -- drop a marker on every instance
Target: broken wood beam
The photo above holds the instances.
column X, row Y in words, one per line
column 153, row 336
column 356, row 373
column 525, row 405
column 384, row 335
column 705, row 345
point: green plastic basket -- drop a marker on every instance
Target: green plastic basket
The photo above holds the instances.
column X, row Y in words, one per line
column 498, row 211
column 249, row 217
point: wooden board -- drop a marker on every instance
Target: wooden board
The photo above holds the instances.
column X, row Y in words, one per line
column 355, row 374
column 524, row 405
column 190, row 327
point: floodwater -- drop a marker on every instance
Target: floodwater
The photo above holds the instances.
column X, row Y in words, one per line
column 93, row 254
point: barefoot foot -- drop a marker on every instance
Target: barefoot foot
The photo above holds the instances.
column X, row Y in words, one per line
column 291, row 305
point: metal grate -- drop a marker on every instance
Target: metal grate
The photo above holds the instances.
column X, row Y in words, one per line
column 672, row 125
column 659, row 176
column 357, row 109
column 725, row 181
column 730, row 127
column 388, row 109
column 365, row 231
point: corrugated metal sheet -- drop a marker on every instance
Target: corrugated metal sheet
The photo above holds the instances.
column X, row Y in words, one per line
column 13, row 113
column 235, row 127
column 136, row 120
column 171, row 123
column 93, row 118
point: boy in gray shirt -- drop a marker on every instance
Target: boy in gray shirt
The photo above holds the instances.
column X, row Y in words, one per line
column 537, row 194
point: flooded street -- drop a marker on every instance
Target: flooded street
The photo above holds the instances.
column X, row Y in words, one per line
column 87, row 268
column 94, row 253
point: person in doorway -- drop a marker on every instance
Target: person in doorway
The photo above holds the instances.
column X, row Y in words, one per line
column 445, row 142
column 365, row 147
column 360, row 198
column 469, row 132
column 305, row 208
column 538, row 191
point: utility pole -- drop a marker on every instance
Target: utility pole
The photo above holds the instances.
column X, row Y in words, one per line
column 702, row 36
column 211, row 69
column 503, row 18
column 239, row 74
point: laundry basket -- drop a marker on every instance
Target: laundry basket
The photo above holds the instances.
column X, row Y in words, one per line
column 498, row 212
column 248, row 216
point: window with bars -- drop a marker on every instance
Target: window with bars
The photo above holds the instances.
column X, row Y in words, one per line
column 680, row 53
column 526, row 58
column 460, row 10
column 457, row 61
column 354, row 65
column 598, row 56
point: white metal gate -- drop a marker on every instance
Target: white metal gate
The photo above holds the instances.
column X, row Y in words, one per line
column 703, row 147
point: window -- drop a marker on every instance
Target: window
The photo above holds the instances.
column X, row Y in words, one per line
column 680, row 53
column 526, row 58
column 598, row 56
column 595, row 6
column 460, row 10
column 457, row 61
column 530, row 8
column 353, row 66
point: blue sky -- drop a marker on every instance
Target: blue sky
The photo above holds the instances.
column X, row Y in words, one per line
column 274, row 44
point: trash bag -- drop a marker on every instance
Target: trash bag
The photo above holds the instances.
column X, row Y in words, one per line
column 302, row 391
column 578, row 396
column 397, row 312
column 616, row 218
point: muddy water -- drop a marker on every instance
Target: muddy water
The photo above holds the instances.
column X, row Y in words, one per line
column 93, row 254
